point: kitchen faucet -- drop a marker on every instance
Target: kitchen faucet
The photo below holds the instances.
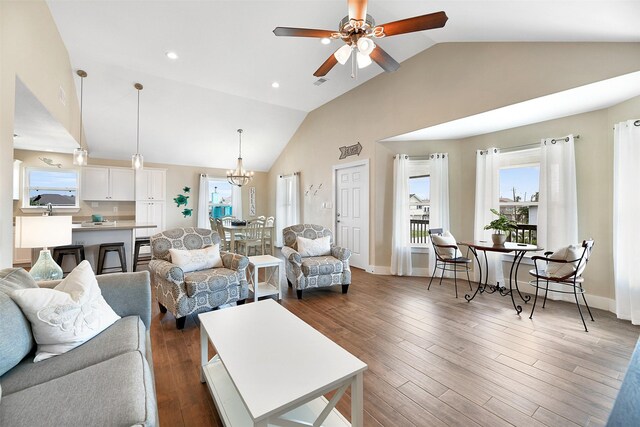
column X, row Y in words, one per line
column 49, row 211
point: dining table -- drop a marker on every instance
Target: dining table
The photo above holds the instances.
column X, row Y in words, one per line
column 236, row 230
column 519, row 250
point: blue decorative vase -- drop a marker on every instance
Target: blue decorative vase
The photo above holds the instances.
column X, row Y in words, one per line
column 46, row 268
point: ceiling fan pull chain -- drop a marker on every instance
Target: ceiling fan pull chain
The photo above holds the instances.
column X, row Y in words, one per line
column 354, row 67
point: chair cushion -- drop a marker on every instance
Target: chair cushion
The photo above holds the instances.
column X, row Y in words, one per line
column 542, row 274
column 568, row 253
column 212, row 280
column 16, row 339
column 445, row 240
column 196, row 259
column 126, row 335
column 313, row 247
column 117, row 392
column 321, row 265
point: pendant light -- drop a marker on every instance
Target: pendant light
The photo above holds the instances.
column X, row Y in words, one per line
column 80, row 154
column 239, row 176
column 137, row 161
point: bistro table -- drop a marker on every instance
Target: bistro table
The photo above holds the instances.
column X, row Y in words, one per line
column 240, row 229
column 518, row 250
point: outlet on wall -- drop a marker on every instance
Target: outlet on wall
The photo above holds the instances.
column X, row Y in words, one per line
column 115, row 209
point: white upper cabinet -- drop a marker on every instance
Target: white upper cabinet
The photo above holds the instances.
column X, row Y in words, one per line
column 112, row 184
column 150, row 184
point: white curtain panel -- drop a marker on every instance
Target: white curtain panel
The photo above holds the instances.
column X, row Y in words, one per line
column 439, row 198
column 558, row 202
column 203, row 202
column 400, row 234
column 487, row 198
column 236, row 201
column 287, row 204
column 626, row 205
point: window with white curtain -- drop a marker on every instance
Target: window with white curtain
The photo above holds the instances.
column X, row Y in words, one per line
column 220, row 197
column 519, row 176
column 419, row 202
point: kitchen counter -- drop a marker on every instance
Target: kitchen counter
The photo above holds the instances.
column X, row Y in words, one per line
column 112, row 225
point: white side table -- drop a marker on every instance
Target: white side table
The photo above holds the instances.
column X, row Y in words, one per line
column 273, row 272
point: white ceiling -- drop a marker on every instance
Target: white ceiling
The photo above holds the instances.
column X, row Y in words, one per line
column 228, row 58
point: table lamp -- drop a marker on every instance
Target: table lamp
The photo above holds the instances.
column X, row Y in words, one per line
column 42, row 232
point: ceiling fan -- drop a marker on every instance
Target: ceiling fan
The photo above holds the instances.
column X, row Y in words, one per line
column 357, row 31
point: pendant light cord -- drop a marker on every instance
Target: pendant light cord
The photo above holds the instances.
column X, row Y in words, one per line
column 240, row 146
column 138, row 129
column 81, row 102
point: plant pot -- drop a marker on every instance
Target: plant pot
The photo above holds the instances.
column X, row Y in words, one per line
column 499, row 239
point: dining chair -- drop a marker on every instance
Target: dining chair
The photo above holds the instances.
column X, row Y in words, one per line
column 448, row 257
column 216, row 225
column 563, row 267
column 253, row 238
column 268, row 235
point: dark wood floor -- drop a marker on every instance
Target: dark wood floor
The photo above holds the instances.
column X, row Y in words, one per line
column 433, row 360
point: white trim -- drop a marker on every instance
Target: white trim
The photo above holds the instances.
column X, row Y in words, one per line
column 335, row 168
column 42, row 209
column 383, row 270
column 419, row 249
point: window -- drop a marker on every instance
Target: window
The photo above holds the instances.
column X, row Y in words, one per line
column 520, row 191
column 56, row 186
column 419, row 201
column 220, row 198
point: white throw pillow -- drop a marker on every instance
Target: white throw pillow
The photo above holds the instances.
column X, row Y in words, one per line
column 445, row 240
column 68, row 315
column 314, row 247
column 196, row 259
column 568, row 253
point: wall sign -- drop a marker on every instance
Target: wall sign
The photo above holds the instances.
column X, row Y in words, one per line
column 252, row 201
column 346, row 151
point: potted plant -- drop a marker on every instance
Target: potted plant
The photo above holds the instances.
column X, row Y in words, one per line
column 500, row 226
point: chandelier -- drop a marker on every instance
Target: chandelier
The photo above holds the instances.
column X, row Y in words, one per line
column 239, row 176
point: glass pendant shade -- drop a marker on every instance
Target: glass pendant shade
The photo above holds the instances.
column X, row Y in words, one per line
column 363, row 60
column 80, row 156
column 366, row 45
column 342, row 55
column 137, row 161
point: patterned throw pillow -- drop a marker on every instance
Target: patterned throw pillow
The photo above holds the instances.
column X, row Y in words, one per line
column 68, row 315
column 314, row 247
column 197, row 259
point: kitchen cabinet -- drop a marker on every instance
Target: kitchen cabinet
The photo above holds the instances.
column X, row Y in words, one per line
column 150, row 212
column 110, row 184
column 151, row 184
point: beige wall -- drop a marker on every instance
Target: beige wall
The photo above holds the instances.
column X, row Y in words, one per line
column 447, row 82
column 31, row 49
column 177, row 178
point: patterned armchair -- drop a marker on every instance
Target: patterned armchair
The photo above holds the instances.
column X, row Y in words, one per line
column 185, row 293
column 318, row 271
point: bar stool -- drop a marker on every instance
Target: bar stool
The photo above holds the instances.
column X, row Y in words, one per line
column 137, row 259
column 59, row 252
column 111, row 247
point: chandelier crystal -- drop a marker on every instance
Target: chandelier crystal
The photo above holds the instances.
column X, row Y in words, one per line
column 239, row 176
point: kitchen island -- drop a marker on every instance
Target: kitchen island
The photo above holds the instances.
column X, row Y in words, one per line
column 91, row 235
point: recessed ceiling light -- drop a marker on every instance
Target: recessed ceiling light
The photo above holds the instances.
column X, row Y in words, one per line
column 325, row 40
column 172, row 55
column 275, row 85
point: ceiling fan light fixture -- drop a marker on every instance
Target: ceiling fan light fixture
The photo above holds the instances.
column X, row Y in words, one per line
column 363, row 60
column 366, row 45
column 342, row 55
column 325, row 40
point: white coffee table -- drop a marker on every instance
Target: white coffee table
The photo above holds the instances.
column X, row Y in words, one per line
column 273, row 369
column 273, row 271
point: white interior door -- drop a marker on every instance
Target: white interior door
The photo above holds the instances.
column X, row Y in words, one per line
column 352, row 211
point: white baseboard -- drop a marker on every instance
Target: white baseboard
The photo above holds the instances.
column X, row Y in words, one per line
column 386, row 271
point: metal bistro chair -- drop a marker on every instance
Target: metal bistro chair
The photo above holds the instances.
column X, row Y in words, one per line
column 448, row 257
column 565, row 268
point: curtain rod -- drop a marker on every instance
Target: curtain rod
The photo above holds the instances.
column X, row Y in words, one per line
column 424, row 157
column 291, row 174
column 536, row 144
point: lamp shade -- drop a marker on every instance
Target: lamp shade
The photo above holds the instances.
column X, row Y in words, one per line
column 43, row 231
column 365, row 45
column 343, row 54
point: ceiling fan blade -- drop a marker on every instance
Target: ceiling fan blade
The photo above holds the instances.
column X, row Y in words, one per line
column 357, row 9
column 302, row 32
column 384, row 60
column 417, row 23
column 326, row 66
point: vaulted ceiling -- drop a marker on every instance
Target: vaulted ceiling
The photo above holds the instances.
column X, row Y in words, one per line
column 229, row 58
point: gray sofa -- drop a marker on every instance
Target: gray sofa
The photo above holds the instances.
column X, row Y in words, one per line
column 107, row 381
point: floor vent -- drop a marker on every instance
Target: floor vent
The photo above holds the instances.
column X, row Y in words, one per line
column 320, row 81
